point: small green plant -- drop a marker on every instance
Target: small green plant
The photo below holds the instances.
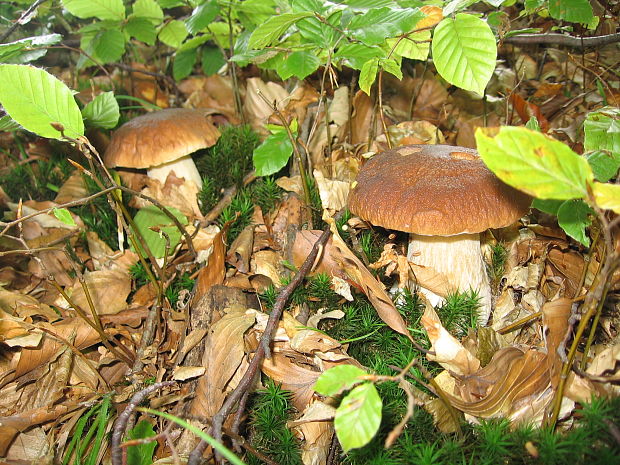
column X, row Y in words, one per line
column 89, row 434
column 239, row 213
column 139, row 275
column 496, row 269
column 266, row 193
column 271, row 409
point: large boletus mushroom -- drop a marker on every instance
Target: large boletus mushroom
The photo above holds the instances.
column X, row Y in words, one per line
column 444, row 196
column 162, row 142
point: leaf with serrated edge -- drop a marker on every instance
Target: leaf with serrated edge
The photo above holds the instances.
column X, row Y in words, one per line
column 358, row 417
column 338, row 379
column 35, row 99
column 464, row 52
column 173, row 33
column 368, row 75
column 534, row 163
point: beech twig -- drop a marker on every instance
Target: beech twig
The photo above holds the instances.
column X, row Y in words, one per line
column 263, row 351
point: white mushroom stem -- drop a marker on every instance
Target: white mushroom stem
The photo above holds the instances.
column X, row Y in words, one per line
column 459, row 259
column 183, row 167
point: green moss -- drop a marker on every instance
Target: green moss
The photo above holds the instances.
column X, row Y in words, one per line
column 459, row 313
column 182, row 282
column 270, row 410
column 226, row 163
column 39, row 180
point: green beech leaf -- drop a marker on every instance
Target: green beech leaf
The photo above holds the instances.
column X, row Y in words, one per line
column 358, row 417
column 212, row 60
column 464, row 52
column 534, row 163
column 102, row 9
column 184, row 62
column 368, row 74
column 273, row 154
column 149, row 10
column 574, row 218
column 142, row 29
column 604, row 165
column 550, row 206
column 393, row 67
column 64, row 215
column 108, row 46
column 274, row 27
column 532, row 124
column 575, row 11
column 202, row 16
column 607, row 196
column 602, row 130
column 151, row 216
column 102, row 112
column 356, row 54
column 378, row 24
column 21, row 51
column 141, row 454
column 299, row 64
column 338, row 379
column 173, row 33
column 415, row 46
column 35, row 99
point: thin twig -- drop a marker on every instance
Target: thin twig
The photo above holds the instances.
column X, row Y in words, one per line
column 25, row 14
column 562, row 39
column 262, row 350
column 121, row 422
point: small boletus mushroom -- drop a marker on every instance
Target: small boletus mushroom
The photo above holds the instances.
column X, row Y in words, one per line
column 444, row 197
column 162, row 142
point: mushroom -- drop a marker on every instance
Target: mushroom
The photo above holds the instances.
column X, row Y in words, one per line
column 444, row 196
column 162, row 142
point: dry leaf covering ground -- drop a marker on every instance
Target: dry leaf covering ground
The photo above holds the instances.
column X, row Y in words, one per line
column 75, row 326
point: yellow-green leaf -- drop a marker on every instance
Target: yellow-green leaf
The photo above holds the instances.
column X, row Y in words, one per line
column 607, row 196
column 534, row 163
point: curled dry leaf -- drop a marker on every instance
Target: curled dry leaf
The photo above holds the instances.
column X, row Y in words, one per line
column 72, row 189
column 176, row 192
column 333, row 193
column 338, row 260
column 449, row 352
column 240, row 250
column 316, row 428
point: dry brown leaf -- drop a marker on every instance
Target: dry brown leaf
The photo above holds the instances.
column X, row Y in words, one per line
column 333, row 193
column 222, row 357
column 85, row 336
column 555, row 321
column 108, row 291
column 267, row 263
column 72, row 189
column 240, row 250
column 449, row 352
column 32, row 446
column 175, row 192
column 338, row 260
column 213, row 271
column 256, row 107
column 363, row 109
column 317, row 429
column 434, row 14
column 104, row 258
column 182, row 373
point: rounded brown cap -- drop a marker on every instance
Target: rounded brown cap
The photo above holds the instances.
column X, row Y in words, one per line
column 160, row 137
column 434, row 190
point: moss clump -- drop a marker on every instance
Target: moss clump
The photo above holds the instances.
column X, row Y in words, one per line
column 226, row 163
column 270, row 410
column 39, row 180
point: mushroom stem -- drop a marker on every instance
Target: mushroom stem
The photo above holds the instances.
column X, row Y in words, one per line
column 183, row 167
column 459, row 259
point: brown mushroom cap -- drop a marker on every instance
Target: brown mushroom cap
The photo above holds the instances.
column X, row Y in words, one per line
column 434, row 190
column 160, row 137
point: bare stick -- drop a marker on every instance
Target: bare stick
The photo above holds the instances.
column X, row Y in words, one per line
column 262, row 351
column 121, row 422
column 562, row 39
